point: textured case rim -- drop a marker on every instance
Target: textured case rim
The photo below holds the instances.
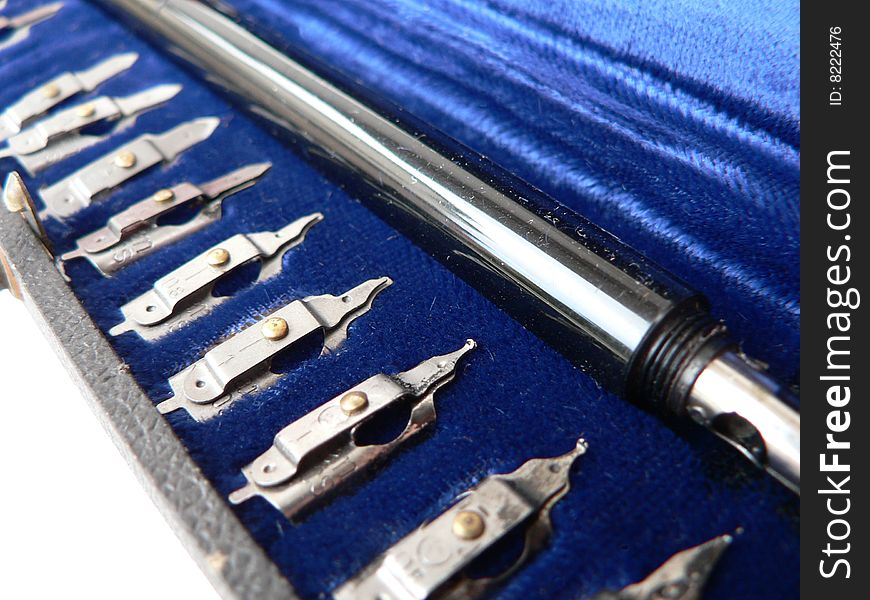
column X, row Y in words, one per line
column 214, row 537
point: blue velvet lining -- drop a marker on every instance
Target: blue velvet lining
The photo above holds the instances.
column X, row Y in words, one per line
column 674, row 126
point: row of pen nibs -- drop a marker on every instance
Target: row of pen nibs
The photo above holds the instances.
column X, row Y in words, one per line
column 46, row 125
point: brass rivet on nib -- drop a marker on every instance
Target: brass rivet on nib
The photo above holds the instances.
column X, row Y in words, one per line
column 163, row 195
column 125, row 159
column 275, row 328
column 51, row 90
column 86, row 110
column 468, row 525
column 353, row 402
column 217, row 257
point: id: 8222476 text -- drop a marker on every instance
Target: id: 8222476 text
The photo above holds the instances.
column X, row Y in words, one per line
column 835, row 66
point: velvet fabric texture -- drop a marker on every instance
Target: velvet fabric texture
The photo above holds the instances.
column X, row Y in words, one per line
column 673, row 124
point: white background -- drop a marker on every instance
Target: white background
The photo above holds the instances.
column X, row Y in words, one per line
column 74, row 521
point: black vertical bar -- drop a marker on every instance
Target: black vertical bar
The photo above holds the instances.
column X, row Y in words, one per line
column 835, row 224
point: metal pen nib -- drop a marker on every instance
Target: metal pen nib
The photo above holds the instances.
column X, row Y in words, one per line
column 430, row 562
column 77, row 190
column 20, row 25
column 134, row 232
column 184, row 294
column 29, row 18
column 319, row 452
column 681, row 577
column 139, row 214
column 240, row 364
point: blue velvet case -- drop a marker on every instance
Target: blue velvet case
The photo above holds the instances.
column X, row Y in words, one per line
column 674, row 125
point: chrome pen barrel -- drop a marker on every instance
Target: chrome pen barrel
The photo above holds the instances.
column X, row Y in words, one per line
column 744, row 407
column 637, row 329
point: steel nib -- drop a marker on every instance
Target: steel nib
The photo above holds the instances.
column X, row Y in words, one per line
column 546, row 479
column 434, row 369
column 681, row 577
column 30, row 18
